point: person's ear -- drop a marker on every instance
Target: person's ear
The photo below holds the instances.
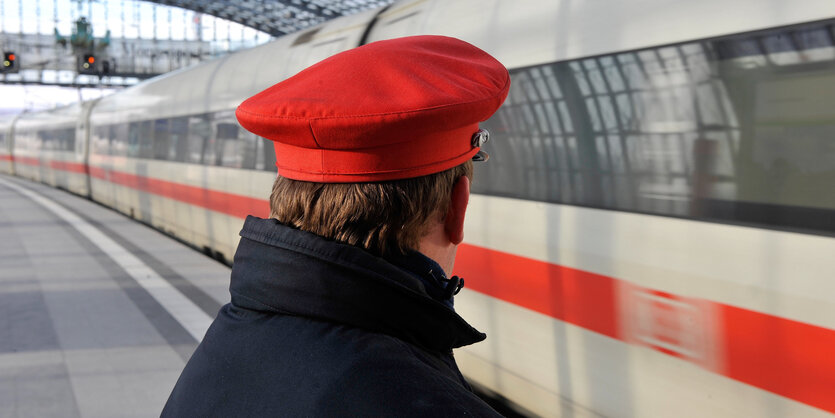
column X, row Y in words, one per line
column 454, row 220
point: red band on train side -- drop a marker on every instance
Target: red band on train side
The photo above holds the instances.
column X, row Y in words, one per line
column 26, row 160
column 228, row 203
column 575, row 296
column 786, row 357
column 68, row 166
column 6, row 157
column 789, row 358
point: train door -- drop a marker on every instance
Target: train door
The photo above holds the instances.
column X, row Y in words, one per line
column 82, row 146
column 7, row 146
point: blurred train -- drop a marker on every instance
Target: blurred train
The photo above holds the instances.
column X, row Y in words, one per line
column 652, row 236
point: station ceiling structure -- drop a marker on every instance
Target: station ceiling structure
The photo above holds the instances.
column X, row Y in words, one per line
column 277, row 17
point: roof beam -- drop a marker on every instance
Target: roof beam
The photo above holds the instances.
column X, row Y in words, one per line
column 278, row 17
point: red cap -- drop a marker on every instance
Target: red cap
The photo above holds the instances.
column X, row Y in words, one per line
column 388, row 110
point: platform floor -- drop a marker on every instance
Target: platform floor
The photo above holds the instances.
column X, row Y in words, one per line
column 85, row 331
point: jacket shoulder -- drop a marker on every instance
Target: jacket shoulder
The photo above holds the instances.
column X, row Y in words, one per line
column 398, row 379
column 256, row 364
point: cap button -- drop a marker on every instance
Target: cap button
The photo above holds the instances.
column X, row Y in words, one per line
column 480, row 137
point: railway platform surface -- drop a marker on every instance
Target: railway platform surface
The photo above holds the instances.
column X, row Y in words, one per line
column 98, row 313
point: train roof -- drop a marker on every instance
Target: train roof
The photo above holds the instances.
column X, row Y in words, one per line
column 533, row 32
column 518, row 34
column 223, row 83
column 63, row 116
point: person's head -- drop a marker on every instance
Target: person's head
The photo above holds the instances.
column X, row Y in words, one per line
column 374, row 145
column 382, row 217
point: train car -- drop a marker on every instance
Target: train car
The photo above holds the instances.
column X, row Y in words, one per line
column 51, row 147
column 6, row 135
column 653, row 233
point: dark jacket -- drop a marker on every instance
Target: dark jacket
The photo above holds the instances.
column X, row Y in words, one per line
column 318, row 328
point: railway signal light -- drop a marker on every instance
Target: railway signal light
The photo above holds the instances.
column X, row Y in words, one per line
column 9, row 64
column 87, row 65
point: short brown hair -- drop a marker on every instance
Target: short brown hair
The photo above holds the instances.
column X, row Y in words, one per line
column 380, row 217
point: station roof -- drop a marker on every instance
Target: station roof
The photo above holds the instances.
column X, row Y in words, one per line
column 277, row 17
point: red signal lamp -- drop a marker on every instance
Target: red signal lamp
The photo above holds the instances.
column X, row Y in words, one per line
column 9, row 62
column 87, row 64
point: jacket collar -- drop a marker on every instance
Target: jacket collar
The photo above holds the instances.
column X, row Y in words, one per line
column 430, row 273
column 281, row 269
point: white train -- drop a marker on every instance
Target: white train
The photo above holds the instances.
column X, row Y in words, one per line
column 652, row 236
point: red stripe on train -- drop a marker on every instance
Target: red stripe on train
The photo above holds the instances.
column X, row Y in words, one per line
column 56, row 164
column 789, row 358
column 6, row 157
column 579, row 297
column 228, row 203
column 26, row 160
column 69, row 166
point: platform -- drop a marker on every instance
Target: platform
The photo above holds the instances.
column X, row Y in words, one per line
column 98, row 313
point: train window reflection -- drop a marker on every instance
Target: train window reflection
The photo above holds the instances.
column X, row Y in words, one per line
column 733, row 129
column 119, row 139
column 145, row 133
column 199, row 131
column 211, row 139
column 269, row 155
column 249, row 151
column 162, row 139
column 228, row 145
column 133, row 139
column 62, row 139
column 179, row 139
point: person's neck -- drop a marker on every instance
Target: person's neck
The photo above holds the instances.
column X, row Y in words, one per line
column 437, row 246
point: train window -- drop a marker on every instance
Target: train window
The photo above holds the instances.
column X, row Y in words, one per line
column 161, row 140
column 145, row 133
column 733, row 129
column 259, row 153
column 79, row 145
column 2, row 142
column 119, row 134
column 249, row 148
column 99, row 141
column 45, row 140
column 229, row 154
column 179, row 139
column 210, row 155
column 69, row 139
column 199, row 132
column 47, row 143
column 268, row 155
column 133, row 139
column 103, row 135
column 210, row 148
column 57, row 139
